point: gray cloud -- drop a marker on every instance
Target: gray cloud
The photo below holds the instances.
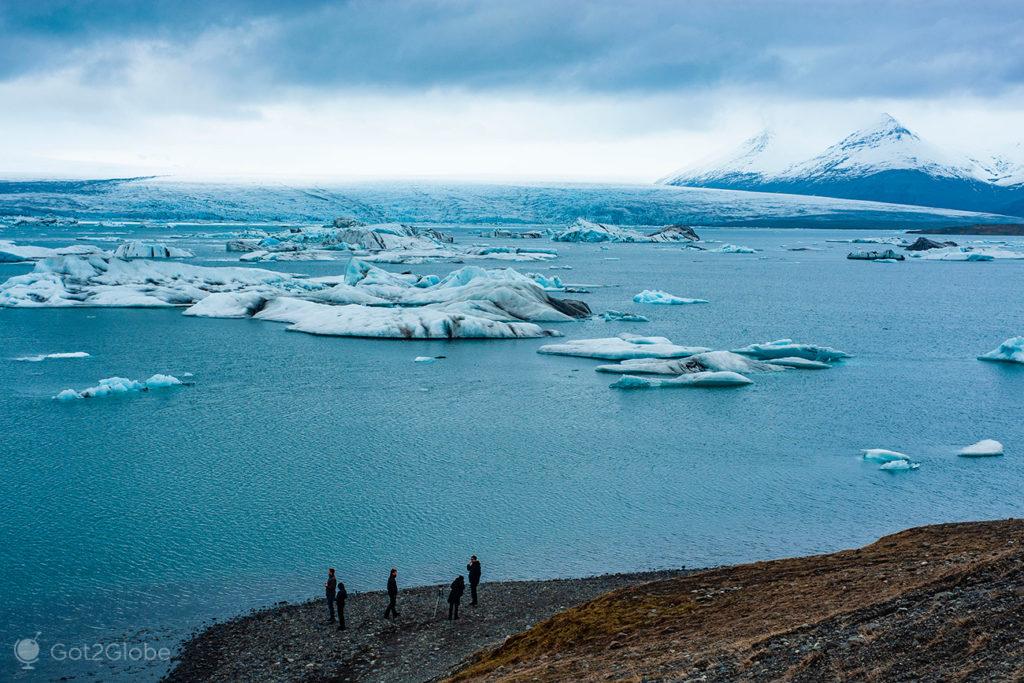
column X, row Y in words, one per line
column 253, row 50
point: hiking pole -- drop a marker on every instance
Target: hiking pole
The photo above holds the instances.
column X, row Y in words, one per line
column 437, row 601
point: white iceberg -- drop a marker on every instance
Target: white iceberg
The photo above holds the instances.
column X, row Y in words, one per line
column 733, row 249
column 48, row 356
column 800, row 363
column 425, row 359
column 14, row 253
column 899, row 466
column 1010, row 351
column 622, row 347
column 656, row 296
column 619, row 316
column 784, row 348
column 985, row 447
column 695, row 380
column 968, row 254
column 583, row 230
column 708, row 361
column 883, row 455
column 113, row 386
column 136, row 249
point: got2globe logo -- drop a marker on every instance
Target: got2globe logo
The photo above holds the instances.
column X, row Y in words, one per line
column 26, row 651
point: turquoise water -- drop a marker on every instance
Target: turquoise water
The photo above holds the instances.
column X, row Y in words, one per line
column 140, row 517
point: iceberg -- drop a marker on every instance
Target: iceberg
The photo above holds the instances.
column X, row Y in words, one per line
column 709, row 361
column 1010, row 351
column 47, row 356
column 583, row 230
column 985, row 447
column 785, row 348
column 883, row 455
column 800, row 363
column 899, row 466
column 695, row 380
column 113, row 386
column 674, row 233
column 887, row 255
column 13, row 253
column 622, row 347
column 733, row 249
column 656, row 296
column 135, row 249
column 425, row 359
column 969, row 254
column 619, row 316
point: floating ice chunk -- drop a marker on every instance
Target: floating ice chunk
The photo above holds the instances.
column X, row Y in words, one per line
column 112, row 386
column 228, row 305
column 785, row 348
column 426, row 359
column 709, row 361
column 883, row 455
column 899, row 466
column 985, row 447
column 800, row 363
column 733, row 249
column 898, row 241
column 137, row 249
column 695, row 380
column 969, row 254
column 887, row 255
column 656, row 296
column 472, row 320
column 47, row 356
column 548, row 284
column 619, row 316
column 674, row 233
column 1010, row 351
column 621, row 348
column 583, row 230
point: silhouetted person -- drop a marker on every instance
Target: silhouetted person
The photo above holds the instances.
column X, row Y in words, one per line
column 458, row 587
column 474, row 578
column 329, row 588
column 340, row 600
column 392, row 594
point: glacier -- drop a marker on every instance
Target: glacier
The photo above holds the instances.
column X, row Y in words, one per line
column 1010, row 351
column 984, row 448
column 656, row 296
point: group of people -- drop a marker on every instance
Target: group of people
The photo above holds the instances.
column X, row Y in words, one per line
column 336, row 593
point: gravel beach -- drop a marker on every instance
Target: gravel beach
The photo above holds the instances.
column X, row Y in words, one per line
column 295, row 642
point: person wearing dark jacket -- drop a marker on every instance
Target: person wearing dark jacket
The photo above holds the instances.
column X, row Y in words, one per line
column 458, row 587
column 474, row 578
column 340, row 600
column 392, row 594
column 329, row 588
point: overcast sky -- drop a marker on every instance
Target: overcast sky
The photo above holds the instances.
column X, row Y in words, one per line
column 550, row 89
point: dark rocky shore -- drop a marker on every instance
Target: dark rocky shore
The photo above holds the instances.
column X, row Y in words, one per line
column 293, row 642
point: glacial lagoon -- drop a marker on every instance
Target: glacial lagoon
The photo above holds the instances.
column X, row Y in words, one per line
column 141, row 516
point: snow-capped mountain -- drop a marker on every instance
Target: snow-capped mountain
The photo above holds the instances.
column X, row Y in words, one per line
column 1003, row 168
column 882, row 162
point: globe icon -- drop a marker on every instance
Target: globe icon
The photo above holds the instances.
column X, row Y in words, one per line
column 26, row 651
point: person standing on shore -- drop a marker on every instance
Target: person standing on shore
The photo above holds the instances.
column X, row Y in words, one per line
column 474, row 578
column 330, row 587
column 392, row 594
column 340, row 600
column 458, row 587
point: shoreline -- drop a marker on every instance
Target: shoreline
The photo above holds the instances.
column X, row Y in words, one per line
column 293, row 641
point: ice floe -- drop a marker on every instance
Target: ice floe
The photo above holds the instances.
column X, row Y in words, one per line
column 886, row 255
column 708, row 361
column 620, row 316
column 733, row 249
column 583, row 230
column 695, row 380
column 622, row 347
column 984, row 448
column 968, row 254
column 656, row 296
column 55, row 356
column 1010, row 351
column 899, row 466
column 883, row 455
column 787, row 348
column 113, row 386
column 149, row 250
column 14, row 253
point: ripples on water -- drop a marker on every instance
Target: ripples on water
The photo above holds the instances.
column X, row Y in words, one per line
column 294, row 452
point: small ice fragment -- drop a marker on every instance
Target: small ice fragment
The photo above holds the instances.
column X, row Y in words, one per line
column 424, row 359
column 619, row 316
column 985, row 447
column 656, row 296
column 1010, row 351
column 883, row 455
column 68, row 395
column 695, row 380
column 899, row 466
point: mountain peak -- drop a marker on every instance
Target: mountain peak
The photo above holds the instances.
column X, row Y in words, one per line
column 885, row 128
